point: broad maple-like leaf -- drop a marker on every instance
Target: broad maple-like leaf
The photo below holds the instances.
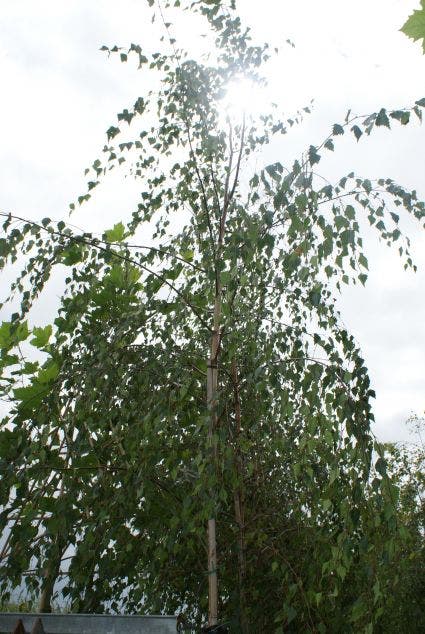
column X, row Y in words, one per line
column 414, row 27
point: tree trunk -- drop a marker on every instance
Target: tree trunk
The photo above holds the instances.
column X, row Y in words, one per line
column 212, row 378
column 51, row 572
column 212, row 372
column 44, row 603
column 239, row 504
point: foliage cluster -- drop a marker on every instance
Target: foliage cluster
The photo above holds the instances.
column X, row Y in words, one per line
column 406, row 466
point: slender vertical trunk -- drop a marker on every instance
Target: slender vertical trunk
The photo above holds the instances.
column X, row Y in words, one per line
column 212, row 370
column 239, row 504
column 44, row 603
column 212, row 380
column 51, row 573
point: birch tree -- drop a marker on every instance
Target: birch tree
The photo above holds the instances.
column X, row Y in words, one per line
column 196, row 437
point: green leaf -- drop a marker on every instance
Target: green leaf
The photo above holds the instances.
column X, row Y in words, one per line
column 414, row 27
column 112, row 132
column 6, row 340
column 12, row 334
column 356, row 131
column 337, row 129
column 363, row 261
column 327, row 504
column 41, row 336
column 48, row 373
column 381, row 466
column 116, row 234
column 382, row 118
column 401, row 115
column 72, row 254
column 3, row 248
column 255, row 181
column 187, row 254
column 290, row 612
column 418, row 112
column 313, row 155
column 274, row 170
column 367, row 185
column 30, row 397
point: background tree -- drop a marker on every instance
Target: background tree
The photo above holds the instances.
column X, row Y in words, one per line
column 407, row 468
column 203, row 379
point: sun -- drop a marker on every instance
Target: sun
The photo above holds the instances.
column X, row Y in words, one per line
column 245, row 97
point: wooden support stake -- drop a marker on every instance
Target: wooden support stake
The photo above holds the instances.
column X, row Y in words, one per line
column 212, row 574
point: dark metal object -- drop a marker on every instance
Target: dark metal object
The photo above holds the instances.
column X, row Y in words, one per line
column 20, row 623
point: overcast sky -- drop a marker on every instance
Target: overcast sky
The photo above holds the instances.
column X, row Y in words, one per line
column 60, row 94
